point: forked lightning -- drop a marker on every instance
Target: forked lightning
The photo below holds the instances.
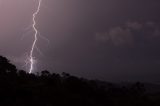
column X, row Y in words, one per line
column 31, row 57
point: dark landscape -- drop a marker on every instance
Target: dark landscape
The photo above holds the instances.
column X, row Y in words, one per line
column 18, row 88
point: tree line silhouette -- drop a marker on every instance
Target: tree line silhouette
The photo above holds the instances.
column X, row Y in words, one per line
column 19, row 88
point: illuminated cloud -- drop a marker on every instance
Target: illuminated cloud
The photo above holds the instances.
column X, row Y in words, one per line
column 134, row 25
column 129, row 34
column 117, row 36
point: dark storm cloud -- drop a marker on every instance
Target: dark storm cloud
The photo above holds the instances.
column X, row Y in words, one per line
column 105, row 39
column 128, row 48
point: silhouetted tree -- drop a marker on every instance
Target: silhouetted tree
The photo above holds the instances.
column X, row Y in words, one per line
column 45, row 73
column 6, row 66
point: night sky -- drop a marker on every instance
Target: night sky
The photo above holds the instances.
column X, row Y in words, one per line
column 112, row 40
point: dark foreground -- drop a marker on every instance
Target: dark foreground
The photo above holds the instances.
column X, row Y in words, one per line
column 18, row 88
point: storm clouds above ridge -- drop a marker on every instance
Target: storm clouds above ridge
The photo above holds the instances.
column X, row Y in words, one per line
column 104, row 39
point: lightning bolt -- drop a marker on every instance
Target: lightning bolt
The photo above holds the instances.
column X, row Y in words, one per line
column 31, row 57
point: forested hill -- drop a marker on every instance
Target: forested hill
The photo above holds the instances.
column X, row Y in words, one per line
column 18, row 88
